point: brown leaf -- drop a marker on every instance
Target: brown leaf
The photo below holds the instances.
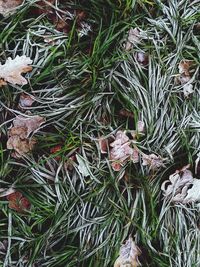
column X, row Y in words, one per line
column 31, row 124
column 19, row 140
column 152, row 161
column 142, row 58
column 128, row 255
column 18, row 202
column 133, row 38
column 182, row 187
column 8, row 6
column 104, row 145
column 20, row 146
column 185, row 67
column 26, row 100
column 13, row 68
column 121, row 151
column 2, row 83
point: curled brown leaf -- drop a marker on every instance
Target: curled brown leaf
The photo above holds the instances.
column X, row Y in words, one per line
column 19, row 139
column 128, row 255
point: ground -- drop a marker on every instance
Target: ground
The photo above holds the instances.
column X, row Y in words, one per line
column 72, row 191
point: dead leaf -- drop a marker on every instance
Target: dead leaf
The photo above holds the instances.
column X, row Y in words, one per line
column 187, row 90
column 19, row 140
column 2, row 83
column 56, row 150
column 142, row 58
column 26, row 100
column 152, row 161
column 140, row 127
column 104, row 145
column 18, row 202
column 31, row 124
column 128, row 255
column 121, row 151
column 186, row 68
column 133, row 38
column 13, row 68
column 20, row 146
column 182, row 187
column 8, row 6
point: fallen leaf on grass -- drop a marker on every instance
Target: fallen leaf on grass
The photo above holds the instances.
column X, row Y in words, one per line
column 182, row 187
column 152, row 161
column 8, row 6
column 104, row 145
column 20, row 146
column 185, row 74
column 133, row 38
column 19, row 140
column 142, row 58
column 128, row 255
column 56, row 150
column 121, row 151
column 185, row 67
column 13, row 68
column 26, row 100
column 31, row 124
column 140, row 129
column 18, row 202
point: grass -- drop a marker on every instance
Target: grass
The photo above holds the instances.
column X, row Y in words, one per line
column 79, row 85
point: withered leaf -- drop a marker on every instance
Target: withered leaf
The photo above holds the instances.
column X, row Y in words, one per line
column 133, row 38
column 31, row 124
column 121, row 151
column 13, row 68
column 152, row 161
column 18, row 202
column 185, row 74
column 26, row 100
column 128, row 255
column 182, row 187
column 19, row 140
column 20, row 146
column 8, row 6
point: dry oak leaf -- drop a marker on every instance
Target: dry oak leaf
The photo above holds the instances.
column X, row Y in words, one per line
column 152, row 161
column 8, row 6
column 18, row 202
column 19, row 140
column 13, row 68
column 31, row 124
column 128, row 255
column 182, row 187
column 121, row 151
column 20, row 146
